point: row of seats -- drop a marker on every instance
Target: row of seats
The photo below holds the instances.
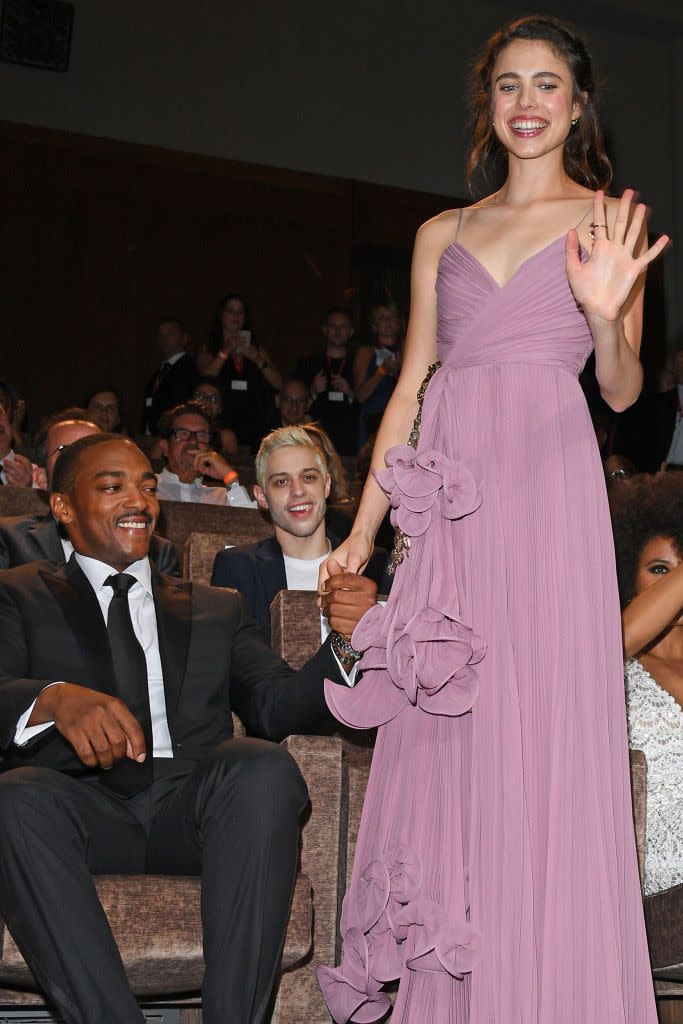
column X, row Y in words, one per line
column 156, row 920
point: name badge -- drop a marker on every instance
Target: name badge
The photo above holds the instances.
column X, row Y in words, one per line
column 335, row 396
column 238, row 385
column 148, row 401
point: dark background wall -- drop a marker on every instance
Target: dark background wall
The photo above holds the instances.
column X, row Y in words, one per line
column 98, row 237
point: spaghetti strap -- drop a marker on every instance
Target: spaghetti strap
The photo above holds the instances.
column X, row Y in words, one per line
column 589, row 210
column 460, row 220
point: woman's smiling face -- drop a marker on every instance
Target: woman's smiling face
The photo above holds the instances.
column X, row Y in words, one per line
column 532, row 99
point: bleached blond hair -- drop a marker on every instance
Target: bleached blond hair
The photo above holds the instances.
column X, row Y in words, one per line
column 285, row 437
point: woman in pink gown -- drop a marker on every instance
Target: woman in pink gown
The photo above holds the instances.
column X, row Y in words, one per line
column 495, row 872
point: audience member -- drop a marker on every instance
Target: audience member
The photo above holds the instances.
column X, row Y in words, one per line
column 30, row 538
column 209, row 394
column 104, row 408
column 647, row 513
column 292, row 485
column 243, row 370
column 176, row 377
column 669, row 416
column 15, row 469
column 293, row 403
column 137, row 769
column 186, row 434
column 328, row 374
column 375, row 368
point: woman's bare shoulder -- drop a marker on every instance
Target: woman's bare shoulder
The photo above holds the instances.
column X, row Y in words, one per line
column 438, row 232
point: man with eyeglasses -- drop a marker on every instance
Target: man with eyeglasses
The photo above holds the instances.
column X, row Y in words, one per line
column 186, row 433
column 30, row 538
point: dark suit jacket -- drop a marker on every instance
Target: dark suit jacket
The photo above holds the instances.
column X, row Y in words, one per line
column 213, row 657
column 258, row 572
column 26, row 539
column 176, row 385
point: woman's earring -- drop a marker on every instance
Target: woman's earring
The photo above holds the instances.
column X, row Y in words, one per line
column 574, row 120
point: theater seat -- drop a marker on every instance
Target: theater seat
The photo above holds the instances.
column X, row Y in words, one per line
column 156, row 918
column 178, row 519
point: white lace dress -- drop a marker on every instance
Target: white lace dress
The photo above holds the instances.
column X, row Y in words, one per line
column 655, row 726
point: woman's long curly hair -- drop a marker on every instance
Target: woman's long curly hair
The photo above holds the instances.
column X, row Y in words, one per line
column 644, row 507
column 585, row 156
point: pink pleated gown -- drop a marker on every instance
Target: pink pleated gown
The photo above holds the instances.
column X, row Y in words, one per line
column 495, row 872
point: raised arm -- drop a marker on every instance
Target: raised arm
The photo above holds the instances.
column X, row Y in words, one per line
column 652, row 611
column 420, row 350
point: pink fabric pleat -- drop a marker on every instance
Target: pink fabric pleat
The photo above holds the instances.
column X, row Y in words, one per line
column 495, row 870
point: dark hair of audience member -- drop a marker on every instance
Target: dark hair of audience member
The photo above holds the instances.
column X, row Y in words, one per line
column 339, row 311
column 8, row 395
column 214, row 338
column 74, row 413
column 585, row 157
column 644, row 507
column 191, row 408
column 339, row 485
column 164, row 320
column 64, row 473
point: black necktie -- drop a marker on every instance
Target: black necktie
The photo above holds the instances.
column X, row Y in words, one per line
column 128, row 777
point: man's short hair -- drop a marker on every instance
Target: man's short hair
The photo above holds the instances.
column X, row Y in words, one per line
column 286, row 437
column 64, row 475
column 191, row 408
column 75, row 414
column 171, row 320
column 339, row 311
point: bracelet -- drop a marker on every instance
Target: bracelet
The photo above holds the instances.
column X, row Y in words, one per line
column 230, row 477
column 381, row 370
column 222, row 355
column 343, row 649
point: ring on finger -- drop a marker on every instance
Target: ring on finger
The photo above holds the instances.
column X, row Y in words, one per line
column 592, row 227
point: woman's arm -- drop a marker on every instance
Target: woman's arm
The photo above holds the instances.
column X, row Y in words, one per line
column 652, row 611
column 208, row 364
column 420, row 351
column 362, row 387
column 609, row 286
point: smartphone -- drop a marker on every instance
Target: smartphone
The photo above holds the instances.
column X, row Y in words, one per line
column 245, row 340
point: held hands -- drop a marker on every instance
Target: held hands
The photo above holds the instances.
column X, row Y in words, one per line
column 319, row 383
column 345, row 598
column 99, row 727
column 352, row 556
column 340, row 383
column 602, row 284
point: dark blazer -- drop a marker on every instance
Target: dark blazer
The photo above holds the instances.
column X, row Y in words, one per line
column 26, row 539
column 213, row 657
column 176, row 385
column 258, row 572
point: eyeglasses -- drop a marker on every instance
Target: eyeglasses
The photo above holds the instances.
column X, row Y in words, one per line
column 295, row 399
column 182, row 434
column 59, row 448
column 201, row 396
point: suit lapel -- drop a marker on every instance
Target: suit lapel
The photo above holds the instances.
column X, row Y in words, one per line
column 45, row 534
column 82, row 611
column 173, row 604
column 269, row 554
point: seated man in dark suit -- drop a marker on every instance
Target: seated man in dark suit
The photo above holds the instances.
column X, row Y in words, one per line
column 116, row 691
column 29, row 538
column 292, row 485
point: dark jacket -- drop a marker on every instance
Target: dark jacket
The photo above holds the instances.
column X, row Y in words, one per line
column 258, row 572
column 213, row 657
column 175, row 385
column 26, row 539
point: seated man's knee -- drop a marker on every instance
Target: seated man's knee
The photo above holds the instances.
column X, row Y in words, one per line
column 26, row 787
column 262, row 770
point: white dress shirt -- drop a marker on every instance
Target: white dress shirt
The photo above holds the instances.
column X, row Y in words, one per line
column 143, row 617
column 172, row 488
column 302, row 574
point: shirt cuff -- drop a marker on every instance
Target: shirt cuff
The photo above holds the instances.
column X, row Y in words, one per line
column 350, row 676
column 23, row 732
